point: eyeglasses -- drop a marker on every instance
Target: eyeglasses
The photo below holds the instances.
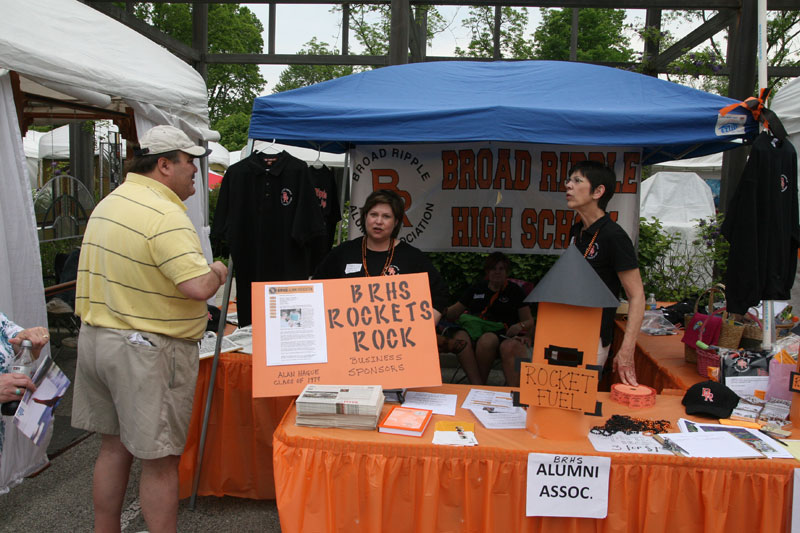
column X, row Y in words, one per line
column 574, row 179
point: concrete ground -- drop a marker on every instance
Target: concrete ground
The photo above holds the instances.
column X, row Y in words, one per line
column 59, row 498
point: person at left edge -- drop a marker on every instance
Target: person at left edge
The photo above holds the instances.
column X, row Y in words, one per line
column 141, row 294
column 380, row 253
column 13, row 386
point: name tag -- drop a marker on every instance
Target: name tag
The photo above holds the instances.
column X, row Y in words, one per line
column 352, row 267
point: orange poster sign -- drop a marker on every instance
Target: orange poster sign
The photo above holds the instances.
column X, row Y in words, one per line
column 359, row 331
column 563, row 387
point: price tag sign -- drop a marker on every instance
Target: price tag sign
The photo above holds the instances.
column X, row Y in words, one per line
column 567, row 485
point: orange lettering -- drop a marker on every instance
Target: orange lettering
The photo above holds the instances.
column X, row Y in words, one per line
column 449, row 169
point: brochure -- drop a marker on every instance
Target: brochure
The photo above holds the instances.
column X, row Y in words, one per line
column 711, row 444
column 755, row 438
column 35, row 412
column 440, row 404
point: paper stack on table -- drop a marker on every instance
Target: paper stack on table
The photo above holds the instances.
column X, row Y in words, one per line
column 340, row 406
column 242, row 337
column 495, row 409
column 209, row 343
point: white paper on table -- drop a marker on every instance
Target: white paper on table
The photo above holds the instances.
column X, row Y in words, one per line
column 712, row 444
column 761, row 442
column 440, row 404
column 622, row 443
column 208, row 344
column 497, row 400
column 244, row 338
column 455, row 438
column 492, row 418
column 687, row 426
column 746, row 385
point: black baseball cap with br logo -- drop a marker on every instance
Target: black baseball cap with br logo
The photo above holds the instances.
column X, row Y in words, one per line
column 711, row 399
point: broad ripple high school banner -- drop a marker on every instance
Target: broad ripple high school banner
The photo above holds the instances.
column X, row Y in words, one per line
column 480, row 197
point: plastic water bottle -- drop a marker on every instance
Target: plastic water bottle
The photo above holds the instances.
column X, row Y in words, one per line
column 651, row 302
column 23, row 364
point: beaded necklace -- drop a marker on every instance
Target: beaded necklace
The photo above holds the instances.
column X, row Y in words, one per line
column 389, row 257
column 591, row 243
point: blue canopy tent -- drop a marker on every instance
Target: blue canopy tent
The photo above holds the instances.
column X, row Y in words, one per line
column 543, row 102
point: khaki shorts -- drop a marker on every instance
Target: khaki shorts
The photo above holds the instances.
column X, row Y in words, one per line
column 142, row 393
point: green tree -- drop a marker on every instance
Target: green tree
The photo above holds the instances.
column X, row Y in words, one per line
column 699, row 67
column 512, row 33
column 231, row 29
column 303, row 75
column 600, row 35
column 233, row 130
column 371, row 24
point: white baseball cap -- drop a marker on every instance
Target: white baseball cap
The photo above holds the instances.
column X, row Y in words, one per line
column 162, row 139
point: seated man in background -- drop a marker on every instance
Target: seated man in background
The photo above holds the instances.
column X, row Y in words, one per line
column 490, row 311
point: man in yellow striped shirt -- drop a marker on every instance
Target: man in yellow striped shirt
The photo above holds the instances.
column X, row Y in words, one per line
column 141, row 294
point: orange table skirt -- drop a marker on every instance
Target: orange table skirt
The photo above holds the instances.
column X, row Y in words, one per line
column 238, row 450
column 365, row 481
column 659, row 360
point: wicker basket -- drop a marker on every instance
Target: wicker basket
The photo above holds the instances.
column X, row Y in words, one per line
column 705, row 359
column 752, row 334
column 730, row 333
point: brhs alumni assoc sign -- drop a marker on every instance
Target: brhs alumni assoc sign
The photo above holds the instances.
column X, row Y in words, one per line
column 488, row 196
column 567, row 485
column 359, row 331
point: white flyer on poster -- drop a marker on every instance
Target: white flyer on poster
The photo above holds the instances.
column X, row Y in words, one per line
column 295, row 324
column 746, row 385
column 567, row 485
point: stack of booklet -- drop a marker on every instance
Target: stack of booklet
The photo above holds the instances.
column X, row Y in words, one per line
column 340, row 406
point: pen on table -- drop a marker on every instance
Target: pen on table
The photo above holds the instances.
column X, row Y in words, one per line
column 773, row 438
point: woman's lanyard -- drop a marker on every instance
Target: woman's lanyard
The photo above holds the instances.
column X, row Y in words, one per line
column 594, row 237
column 492, row 300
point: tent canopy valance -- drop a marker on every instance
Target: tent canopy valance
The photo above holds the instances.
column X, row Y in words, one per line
column 543, row 102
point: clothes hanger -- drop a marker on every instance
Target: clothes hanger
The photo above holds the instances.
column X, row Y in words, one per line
column 318, row 164
column 271, row 145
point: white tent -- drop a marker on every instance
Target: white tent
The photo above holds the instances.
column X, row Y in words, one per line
column 55, row 143
column 31, row 145
column 786, row 104
column 220, row 158
column 707, row 166
column 679, row 200
column 66, row 51
column 675, row 197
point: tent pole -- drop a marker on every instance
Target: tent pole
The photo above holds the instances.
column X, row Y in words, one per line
column 768, row 306
column 347, row 187
column 226, row 296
